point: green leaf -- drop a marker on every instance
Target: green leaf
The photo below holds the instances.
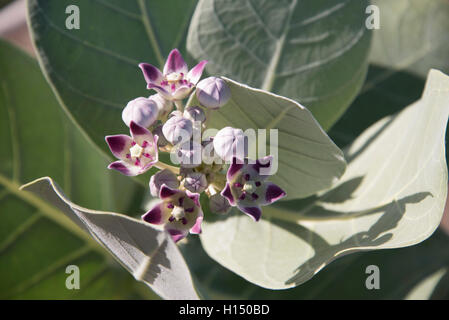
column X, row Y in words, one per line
column 392, row 195
column 402, row 273
column 412, row 36
column 37, row 139
column 424, row 289
column 147, row 253
column 312, row 51
column 308, row 161
column 94, row 70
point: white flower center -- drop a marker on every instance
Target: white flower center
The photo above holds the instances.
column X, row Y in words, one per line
column 174, row 77
column 178, row 213
column 249, row 187
column 136, row 151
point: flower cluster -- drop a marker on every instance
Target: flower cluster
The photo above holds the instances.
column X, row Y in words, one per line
column 160, row 123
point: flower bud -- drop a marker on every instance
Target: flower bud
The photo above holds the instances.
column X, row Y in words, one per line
column 162, row 177
column 164, row 106
column 219, row 204
column 142, row 111
column 229, row 143
column 209, row 156
column 213, row 92
column 177, row 129
column 195, row 182
column 187, row 154
column 195, row 114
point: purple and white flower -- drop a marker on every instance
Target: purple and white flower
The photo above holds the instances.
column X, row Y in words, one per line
column 136, row 153
column 247, row 189
column 213, row 92
column 176, row 81
column 179, row 212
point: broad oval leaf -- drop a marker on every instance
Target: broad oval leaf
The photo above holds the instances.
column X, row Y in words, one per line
column 36, row 242
column 413, row 36
column 149, row 254
column 308, row 161
column 312, row 51
column 94, row 70
column 392, row 195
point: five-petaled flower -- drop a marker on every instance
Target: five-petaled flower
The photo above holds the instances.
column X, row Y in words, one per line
column 179, row 212
column 176, row 81
column 137, row 153
column 247, row 188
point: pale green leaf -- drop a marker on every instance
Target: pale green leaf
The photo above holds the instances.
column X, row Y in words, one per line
column 147, row 253
column 308, row 161
column 392, row 195
column 312, row 51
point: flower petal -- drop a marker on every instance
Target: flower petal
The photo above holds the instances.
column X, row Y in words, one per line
column 119, row 145
column 151, row 73
column 162, row 177
column 164, row 93
column 253, row 212
column 140, row 134
column 175, row 63
column 195, row 197
column 196, row 229
column 273, row 193
column 177, row 235
column 262, row 167
column 125, row 168
column 181, row 93
column 195, row 73
column 167, row 193
column 226, row 192
column 235, row 167
column 157, row 215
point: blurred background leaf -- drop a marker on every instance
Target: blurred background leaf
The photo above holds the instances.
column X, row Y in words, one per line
column 314, row 52
column 3, row 3
column 94, row 70
column 413, row 36
column 35, row 246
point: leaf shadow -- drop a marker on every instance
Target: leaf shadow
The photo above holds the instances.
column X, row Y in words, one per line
column 376, row 235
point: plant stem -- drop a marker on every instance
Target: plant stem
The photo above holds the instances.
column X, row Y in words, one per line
column 179, row 105
column 208, row 114
column 162, row 166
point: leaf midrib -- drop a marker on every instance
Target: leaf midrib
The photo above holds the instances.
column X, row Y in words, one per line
column 270, row 75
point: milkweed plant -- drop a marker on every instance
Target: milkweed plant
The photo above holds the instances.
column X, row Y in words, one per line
column 250, row 143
